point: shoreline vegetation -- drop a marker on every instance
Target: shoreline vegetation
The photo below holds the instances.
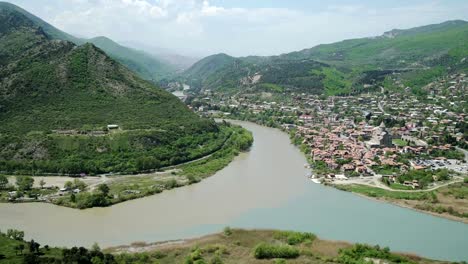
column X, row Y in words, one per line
column 423, row 202
column 229, row 246
column 111, row 189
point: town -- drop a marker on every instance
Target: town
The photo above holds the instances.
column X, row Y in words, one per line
column 382, row 139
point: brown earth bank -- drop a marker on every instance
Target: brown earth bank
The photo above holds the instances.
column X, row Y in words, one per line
column 260, row 246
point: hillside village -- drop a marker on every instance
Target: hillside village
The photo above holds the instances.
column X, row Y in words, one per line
column 381, row 134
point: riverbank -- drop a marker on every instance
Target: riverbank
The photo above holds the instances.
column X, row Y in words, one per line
column 263, row 188
column 108, row 190
column 260, row 246
column 449, row 202
column 230, row 246
column 442, row 202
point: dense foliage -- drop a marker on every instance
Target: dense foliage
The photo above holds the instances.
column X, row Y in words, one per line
column 425, row 177
column 360, row 253
column 126, row 151
column 268, row 251
column 57, row 99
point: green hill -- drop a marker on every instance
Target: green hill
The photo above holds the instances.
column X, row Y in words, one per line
column 56, row 100
column 342, row 67
column 147, row 66
column 394, row 49
column 50, row 30
column 227, row 74
column 209, row 65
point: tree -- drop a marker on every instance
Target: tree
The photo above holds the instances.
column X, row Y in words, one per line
column 77, row 184
column 95, row 247
column 68, row 185
column 3, row 182
column 42, row 183
column 19, row 249
column 24, row 183
column 104, row 189
column 34, row 246
column 15, row 234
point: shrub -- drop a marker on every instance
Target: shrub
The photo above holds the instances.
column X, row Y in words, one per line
column 171, row 184
column 216, row 260
column 267, row 251
column 227, row 231
column 192, row 179
column 294, row 238
column 359, row 252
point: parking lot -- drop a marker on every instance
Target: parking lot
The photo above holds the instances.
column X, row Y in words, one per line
column 451, row 164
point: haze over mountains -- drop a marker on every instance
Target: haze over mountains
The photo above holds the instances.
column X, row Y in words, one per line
column 332, row 69
column 339, row 68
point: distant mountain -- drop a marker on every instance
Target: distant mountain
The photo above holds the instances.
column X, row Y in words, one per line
column 54, row 95
column 210, row 65
column 222, row 72
column 428, row 29
column 394, row 49
column 178, row 61
column 148, row 66
column 338, row 68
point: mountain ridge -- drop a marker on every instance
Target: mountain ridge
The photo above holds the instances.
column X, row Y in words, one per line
column 353, row 62
column 146, row 65
column 57, row 99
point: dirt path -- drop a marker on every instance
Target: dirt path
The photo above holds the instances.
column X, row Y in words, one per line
column 375, row 182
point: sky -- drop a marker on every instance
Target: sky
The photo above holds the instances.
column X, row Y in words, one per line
column 239, row 27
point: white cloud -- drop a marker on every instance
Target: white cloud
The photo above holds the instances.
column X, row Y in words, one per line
column 203, row 27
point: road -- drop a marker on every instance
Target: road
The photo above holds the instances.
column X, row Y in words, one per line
column 464, row 152
column 417, row 141
column 376, row 182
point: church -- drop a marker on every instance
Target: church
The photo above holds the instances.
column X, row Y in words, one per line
column 381, row 138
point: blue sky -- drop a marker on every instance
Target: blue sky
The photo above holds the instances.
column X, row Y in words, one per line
column 239, row 27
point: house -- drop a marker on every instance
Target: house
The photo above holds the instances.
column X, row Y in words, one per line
column 305, row 118
column 348, row 167
column 112, row 127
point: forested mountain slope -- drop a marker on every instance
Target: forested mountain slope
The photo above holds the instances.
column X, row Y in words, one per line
column 56, row 100
column 340, row 68
column 147, row 66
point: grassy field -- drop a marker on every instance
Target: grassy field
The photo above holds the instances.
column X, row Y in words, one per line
column 449, row 201
column 259, row 246
column 11, row 254
column 230, row 246
column 381, row 193
column 400, row 142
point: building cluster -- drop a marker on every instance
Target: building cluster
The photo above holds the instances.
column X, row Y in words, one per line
column 349, row 133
